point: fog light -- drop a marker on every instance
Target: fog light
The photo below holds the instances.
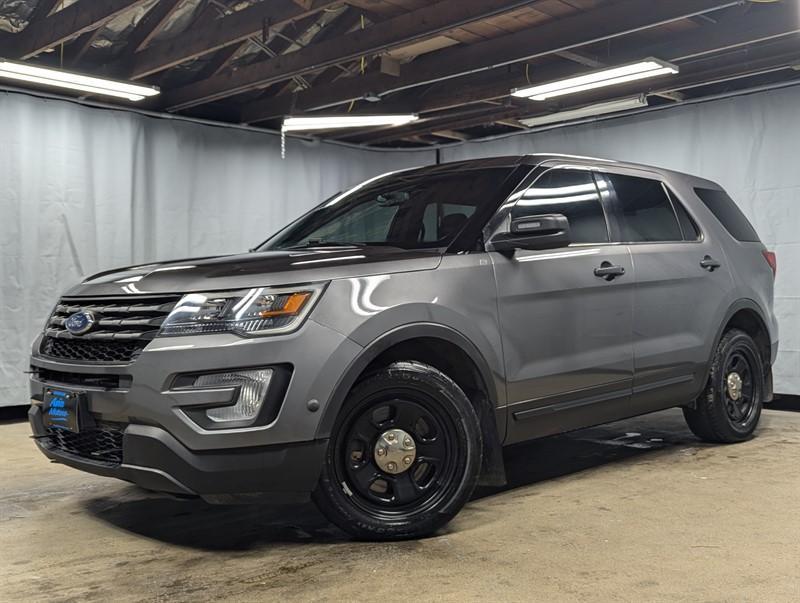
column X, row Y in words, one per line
column 253, row 386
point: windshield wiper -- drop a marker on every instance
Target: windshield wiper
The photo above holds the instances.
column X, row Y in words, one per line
column 320, row 243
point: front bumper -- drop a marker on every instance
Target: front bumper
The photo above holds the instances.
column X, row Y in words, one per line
column 164, row 449
column 155, row 460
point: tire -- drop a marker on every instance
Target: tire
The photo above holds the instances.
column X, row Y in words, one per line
column 358, row 492
column 718, row 416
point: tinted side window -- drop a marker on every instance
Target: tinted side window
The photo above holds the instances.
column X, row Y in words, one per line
column 572, row 193
column 421, row 209
column 691, row 232
column 645, row 211
column 726, row 211
column 442, row 220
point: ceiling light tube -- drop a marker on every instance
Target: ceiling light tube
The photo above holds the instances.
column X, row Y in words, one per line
column 298, row 124
column 590, row 111
column 598, row 79
column 74, row 81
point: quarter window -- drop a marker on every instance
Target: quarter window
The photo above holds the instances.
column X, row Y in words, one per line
column 572, row 193
column 690, row 230
column 645, row 211
column 726, row 211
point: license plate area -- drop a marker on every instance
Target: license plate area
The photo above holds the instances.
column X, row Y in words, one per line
column 65, row 409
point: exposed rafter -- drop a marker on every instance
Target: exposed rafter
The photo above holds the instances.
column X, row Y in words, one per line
column 393, row 33
column 768, row 60
column 68, row 23
column 219, row 33
column 80, row 46
column 43, row 9
column 567, row 33
column 727, row 34
column 453, row 62
column 149, row 25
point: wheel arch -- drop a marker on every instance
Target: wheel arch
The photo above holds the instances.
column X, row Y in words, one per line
column 746, row 315
column 451, row 352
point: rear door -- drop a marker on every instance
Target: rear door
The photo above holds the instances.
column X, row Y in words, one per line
column 566, row 332
column 682, row 283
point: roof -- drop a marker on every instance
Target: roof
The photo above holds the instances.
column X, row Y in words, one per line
column 453, row 62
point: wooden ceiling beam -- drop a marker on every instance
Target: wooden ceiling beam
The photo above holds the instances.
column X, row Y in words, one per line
column 750, row 65
column 440, row 120
column 68, row 23
column 450, row 135
column 567, row 33
column 770, row 24
column 277, row 46
column 339, row 26
column 80, row 46
column 219, row 33
column 405, row 29
column 580, row 58
column 491, row 115
column 149, row 25
column 43, row 9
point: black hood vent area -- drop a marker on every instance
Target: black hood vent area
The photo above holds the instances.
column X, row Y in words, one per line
column 120, row 328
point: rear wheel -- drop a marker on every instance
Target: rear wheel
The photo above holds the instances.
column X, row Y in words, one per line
column 404, row 456
column 729, row 408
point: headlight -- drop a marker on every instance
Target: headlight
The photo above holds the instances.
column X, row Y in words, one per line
column 262, row 311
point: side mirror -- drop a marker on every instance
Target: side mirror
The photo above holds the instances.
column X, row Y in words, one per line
column 548, row 231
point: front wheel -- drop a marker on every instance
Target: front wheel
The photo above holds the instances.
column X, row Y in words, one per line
column 404, row 456
column 729, row 408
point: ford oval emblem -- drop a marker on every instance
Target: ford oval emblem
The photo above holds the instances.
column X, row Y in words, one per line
column 80, row 323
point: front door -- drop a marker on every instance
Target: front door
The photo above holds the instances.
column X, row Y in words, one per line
column 566, row 331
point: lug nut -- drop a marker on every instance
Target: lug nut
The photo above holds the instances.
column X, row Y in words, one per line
column 391, row 466
column 381, row 451
column 408, row 443
column 407, row 460
column 390, row 437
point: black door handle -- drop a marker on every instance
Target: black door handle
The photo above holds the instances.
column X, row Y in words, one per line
column 609, row 271
column 709, row 263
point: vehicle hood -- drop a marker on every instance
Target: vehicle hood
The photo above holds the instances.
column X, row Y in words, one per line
column 256, row 269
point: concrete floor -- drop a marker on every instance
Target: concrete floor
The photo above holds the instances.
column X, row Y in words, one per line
column 638, row 510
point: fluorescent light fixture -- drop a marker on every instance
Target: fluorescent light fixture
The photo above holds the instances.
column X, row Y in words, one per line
column 598, row 79
column 74, row 81
column 590, row 111
column 297, row 124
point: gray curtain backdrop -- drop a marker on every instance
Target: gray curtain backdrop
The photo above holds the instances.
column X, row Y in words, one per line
column 85, row 189
column 749, row 144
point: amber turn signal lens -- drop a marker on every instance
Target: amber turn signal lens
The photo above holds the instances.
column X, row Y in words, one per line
column 291, row 307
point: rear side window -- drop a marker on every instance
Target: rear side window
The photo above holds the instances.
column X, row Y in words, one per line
column 726, row 211
column 645, row 211
column 690, row 230
column 572, row 193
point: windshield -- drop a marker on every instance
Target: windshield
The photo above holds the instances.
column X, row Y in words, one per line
column 410, row 210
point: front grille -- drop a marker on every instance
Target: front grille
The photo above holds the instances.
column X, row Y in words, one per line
column 123, row 327
column 91, row 351
column 102, row 445
column 82, row 379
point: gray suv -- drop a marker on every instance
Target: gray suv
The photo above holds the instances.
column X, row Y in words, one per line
column 379, row 352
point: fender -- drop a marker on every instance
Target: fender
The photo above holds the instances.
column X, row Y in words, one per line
column 493, row 470
column 383, row 343
column 740, row 304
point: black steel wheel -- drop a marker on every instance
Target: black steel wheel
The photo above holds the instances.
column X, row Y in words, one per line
column 404, row 456
column 729, row 408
